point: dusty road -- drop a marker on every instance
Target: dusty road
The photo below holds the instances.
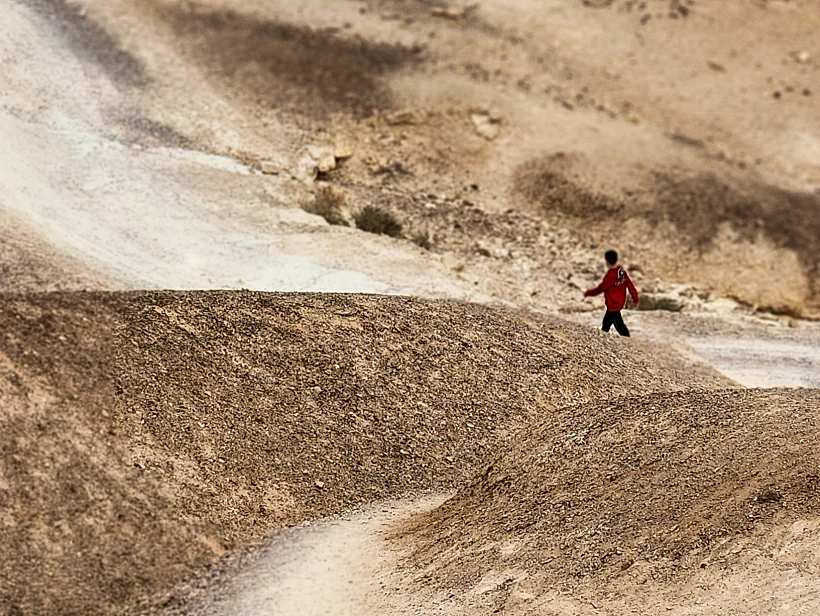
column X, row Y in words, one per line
column 752, row 350
column 339, row 566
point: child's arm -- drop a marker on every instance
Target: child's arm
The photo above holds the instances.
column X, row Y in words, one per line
column 632, row 291
column 601, row 288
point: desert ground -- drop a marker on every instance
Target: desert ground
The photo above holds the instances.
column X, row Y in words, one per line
column 293, row 322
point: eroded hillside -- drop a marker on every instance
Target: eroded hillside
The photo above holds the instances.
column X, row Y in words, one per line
column 150, row 433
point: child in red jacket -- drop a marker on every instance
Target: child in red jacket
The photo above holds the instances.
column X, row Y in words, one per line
column 614, row 287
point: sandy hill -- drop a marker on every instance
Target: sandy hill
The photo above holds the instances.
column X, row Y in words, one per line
column 146, row 434
column 517, row 140
column 640, row 496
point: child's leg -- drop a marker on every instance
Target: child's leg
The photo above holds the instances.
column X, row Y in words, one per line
column 608, row 320
column 620, row 326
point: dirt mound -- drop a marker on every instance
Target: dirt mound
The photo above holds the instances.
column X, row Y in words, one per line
column 199, row 422
column 657, row 483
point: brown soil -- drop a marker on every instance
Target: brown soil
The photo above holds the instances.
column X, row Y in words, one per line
column 289, row 68
column 659, row 482
column 149, row 433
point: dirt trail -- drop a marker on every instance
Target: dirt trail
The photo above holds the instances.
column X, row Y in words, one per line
column 200, row 237
column 338, row 566
column 752, row 351
column 343, row 566
column 764, row 548
column 763, row 363
column 137, row 212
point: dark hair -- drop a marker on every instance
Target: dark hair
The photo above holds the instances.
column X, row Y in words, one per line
column 611, row 257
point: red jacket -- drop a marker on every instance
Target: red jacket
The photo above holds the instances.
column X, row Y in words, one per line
column 614, row 287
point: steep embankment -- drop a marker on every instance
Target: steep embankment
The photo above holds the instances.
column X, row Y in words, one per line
column 148, row 433
column 602, row 499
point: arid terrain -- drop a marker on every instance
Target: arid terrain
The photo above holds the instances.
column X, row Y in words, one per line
column 292, row 314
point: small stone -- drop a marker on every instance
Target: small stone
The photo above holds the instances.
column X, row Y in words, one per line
column 320, row 484
column 452, row 12
column 486, row 126
column 579, row 283
column 324, row 157
column 803, row 57
column 343, row 150
column 406, row 116
column 306, row 170
column 269, row 167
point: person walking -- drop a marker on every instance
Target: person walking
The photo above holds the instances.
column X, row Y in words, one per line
column 614, row 287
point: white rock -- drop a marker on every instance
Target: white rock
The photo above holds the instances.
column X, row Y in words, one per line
column 306, row 170
column 449, row 12
column 486, row 126
column 343, row 150
column 269, row 167
column 324, row 157
column 326, row 163
column 406, row 116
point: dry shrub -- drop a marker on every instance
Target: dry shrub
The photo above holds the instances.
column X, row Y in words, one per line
column 659, row 302
column 376, row 220
column 328, row 204
column 423, row 240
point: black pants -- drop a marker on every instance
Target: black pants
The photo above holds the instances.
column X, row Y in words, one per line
column 615, row 318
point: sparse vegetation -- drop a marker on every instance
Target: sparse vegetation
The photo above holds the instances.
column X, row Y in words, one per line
column 376, row 220
column 660, row 302
column 327, row 203
column 768, row 495
column 423, row 240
